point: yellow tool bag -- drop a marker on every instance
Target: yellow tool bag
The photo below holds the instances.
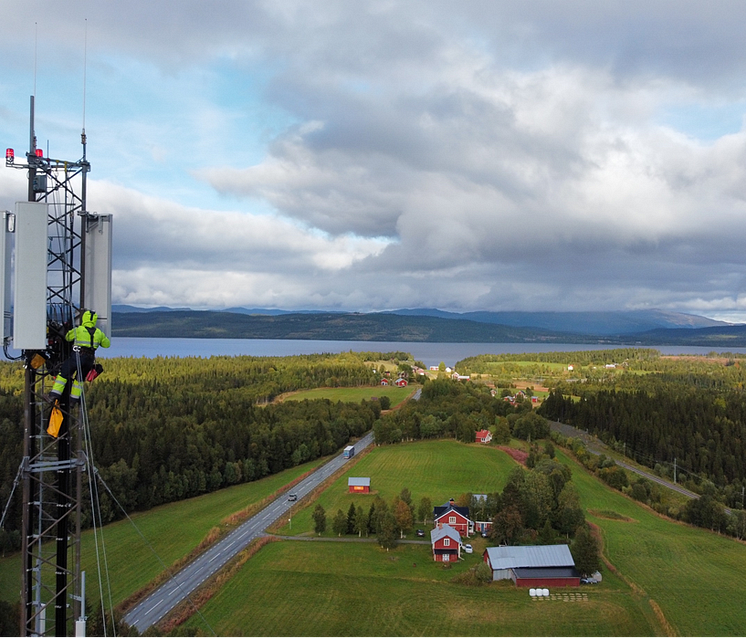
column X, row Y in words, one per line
column 55, row 421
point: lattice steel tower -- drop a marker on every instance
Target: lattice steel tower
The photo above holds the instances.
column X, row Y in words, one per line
column 62, row 265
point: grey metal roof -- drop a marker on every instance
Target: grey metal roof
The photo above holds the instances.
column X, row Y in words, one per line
column 530, row 556
column 441, row 532
column 357, row 481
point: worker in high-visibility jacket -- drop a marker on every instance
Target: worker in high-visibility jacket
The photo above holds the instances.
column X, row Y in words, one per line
column 87, row 338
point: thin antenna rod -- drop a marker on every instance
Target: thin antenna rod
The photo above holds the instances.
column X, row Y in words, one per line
column 36, row 48
column 85, row 67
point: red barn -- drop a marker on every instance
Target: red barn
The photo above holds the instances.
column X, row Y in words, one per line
column 533, row 565
column 358, row 485
column 454, row 516
column 402, row 383
column 446, row 544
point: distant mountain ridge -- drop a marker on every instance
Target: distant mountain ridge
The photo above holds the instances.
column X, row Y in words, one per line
column 599, row 323
column 602, row 323
column 402, row 326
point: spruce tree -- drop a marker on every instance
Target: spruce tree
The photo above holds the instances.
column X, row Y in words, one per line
column 585, row 551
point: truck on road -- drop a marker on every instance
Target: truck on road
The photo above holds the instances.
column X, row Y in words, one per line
column 349, row 451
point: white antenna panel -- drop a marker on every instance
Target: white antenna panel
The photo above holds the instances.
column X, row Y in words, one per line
column 97, row 275
column 30, row 285
column 6, row 249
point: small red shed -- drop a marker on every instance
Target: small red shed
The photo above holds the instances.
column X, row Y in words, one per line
column 359, row 485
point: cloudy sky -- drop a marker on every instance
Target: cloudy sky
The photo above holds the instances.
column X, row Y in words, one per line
column 380, row 154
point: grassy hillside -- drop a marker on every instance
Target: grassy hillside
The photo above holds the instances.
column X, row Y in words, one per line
column 354, row 395
column 436, row 469
column 172, row 530
column 691, row 575
column 351, row 589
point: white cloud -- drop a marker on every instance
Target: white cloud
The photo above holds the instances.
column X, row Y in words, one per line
column 379, row 154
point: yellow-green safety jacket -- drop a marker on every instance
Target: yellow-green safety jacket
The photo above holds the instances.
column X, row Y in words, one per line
column 86, row 335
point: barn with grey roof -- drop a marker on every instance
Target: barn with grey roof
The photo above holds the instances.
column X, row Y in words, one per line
column 533, row 565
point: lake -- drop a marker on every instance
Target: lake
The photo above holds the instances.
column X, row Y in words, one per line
column 429, row 353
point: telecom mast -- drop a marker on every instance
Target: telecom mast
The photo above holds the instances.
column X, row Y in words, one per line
column 62, row 265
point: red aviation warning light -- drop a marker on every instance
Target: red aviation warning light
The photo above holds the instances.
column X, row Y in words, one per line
column 10, row 156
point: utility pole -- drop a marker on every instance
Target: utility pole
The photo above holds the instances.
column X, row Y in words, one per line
column 53, row 288
column 674, row 470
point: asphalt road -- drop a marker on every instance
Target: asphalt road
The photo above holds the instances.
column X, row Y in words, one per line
column 163, row 600
column 595, row 446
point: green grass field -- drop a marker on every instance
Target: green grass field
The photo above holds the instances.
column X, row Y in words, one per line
column 349, row 589
column 354, row 395
column 436, row 469
column 696, row 577
column 172, row 530
column 693, row 576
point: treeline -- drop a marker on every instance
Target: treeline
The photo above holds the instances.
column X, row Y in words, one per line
column 708, row 510
column 446, row 408
column 704, row 431
column 482, row 363
column 166, row 429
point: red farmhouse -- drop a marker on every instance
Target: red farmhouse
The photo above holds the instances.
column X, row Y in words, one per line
column 446, row 544
column 483, row 436
column 454, row 516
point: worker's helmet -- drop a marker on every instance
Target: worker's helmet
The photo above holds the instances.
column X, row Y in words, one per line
column 89, row 319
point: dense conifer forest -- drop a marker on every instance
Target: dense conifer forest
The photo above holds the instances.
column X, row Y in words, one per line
column 691, row 410
column 168, row 428
column 165, row 429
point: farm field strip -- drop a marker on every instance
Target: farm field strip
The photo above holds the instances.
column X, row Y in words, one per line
column 173, row 530
column 354, row 395
column 372, row 592
column 418, row 467
column 682, row 569
column 688, row 571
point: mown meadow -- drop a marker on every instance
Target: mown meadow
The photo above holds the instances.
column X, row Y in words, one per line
column 696, row 577
column 354, row 588
column 345, row 588
column 166, row 533
column 293, row 588
column 439, row 470
column 354, row 395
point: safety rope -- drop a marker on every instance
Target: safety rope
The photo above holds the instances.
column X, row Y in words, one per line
column 12, row 491
column 95, row 506
column 85, row 424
